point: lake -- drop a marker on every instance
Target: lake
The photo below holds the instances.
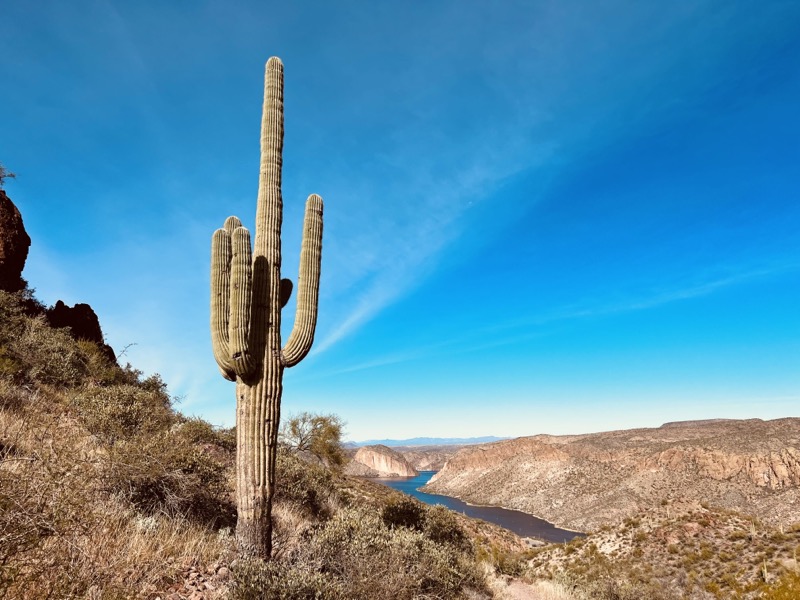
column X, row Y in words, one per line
column 521, row 523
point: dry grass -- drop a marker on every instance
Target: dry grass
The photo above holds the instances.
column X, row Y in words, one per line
column 57, row 518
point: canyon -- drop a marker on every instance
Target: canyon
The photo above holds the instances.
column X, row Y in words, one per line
column 583, row 482
column 379, row 461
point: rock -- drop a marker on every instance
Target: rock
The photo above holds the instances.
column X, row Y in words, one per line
column 382, row 461
column 83, row 323
column 14, row 245
column 428, row 458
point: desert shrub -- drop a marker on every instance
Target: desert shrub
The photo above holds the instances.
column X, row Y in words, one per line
column 442, row 527
column 122, row 411
column 320, row 435
column 12, row 397
column 39, row 354
column 166, row 474
column 404, row 512
column 149, row 465
column 370, row 560
column 44, row 498
column 32, row 352
column 198, row 431
column 503, row 561
column 255, row 580
column 303, row 484
column 101, row 369
column 619, row 588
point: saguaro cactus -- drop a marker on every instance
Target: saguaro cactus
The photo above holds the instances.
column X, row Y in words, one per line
column 247, row 295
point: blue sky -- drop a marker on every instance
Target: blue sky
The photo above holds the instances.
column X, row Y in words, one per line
column 553, row 217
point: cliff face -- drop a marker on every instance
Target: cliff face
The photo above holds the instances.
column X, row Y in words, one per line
column 427, row 458
column 582, row 482
column 14, row 244
column 380, row 461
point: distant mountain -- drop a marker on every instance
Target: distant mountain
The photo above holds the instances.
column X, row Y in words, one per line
column 429, row 441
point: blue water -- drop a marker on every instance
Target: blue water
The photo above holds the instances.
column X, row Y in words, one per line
column 521, row 523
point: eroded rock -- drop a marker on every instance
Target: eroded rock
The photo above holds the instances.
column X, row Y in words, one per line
column 14, row 245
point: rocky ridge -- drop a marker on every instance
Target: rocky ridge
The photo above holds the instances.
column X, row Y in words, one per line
column 428, row 458
column 81, row 320
column 585, row 481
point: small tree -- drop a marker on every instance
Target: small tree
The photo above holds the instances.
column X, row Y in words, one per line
column 5, row 174
column 321, row 435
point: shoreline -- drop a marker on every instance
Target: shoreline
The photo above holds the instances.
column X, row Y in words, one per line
column 504, row 508
column 486, row 506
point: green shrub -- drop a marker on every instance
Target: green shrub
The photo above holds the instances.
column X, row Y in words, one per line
column 40, row 354
column 164, row 473
column 101, row 369
column 442, row 527
column 369, row 560
column 404, row 512
column 306, row 485
column 503, row 561
column 198, row 431
column 122, row 412
column 256, row 580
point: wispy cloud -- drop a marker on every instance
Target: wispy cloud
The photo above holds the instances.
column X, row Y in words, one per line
column 497, row 335
column 438, row 159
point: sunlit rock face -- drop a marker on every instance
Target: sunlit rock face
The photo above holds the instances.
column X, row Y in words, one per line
column 380, row 461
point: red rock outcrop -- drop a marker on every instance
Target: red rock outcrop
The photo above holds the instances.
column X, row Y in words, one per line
column 14, row 245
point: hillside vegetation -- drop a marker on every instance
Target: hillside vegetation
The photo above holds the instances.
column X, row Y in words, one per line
column 107, row 492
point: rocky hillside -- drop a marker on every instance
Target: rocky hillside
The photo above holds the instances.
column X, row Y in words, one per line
column 585, row 481
column 428, row 458
column 678, row 550
column 379, row 461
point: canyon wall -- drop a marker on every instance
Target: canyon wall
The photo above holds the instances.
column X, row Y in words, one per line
column 584, row 481
column 379, row 461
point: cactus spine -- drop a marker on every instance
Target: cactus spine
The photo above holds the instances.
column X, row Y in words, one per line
column 247, row 295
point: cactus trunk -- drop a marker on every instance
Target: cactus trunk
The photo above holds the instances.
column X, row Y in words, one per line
column 247, row 295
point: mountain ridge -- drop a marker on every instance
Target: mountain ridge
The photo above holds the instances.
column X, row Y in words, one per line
column 428, row 441
column 586, row 481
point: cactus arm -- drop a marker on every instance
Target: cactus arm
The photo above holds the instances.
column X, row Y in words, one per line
column 231, row 223
column 220, row 297
column 302, row 336
column 240, row 297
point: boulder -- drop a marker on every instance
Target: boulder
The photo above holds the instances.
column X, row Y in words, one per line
column 14, row 245
column 83, row 323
